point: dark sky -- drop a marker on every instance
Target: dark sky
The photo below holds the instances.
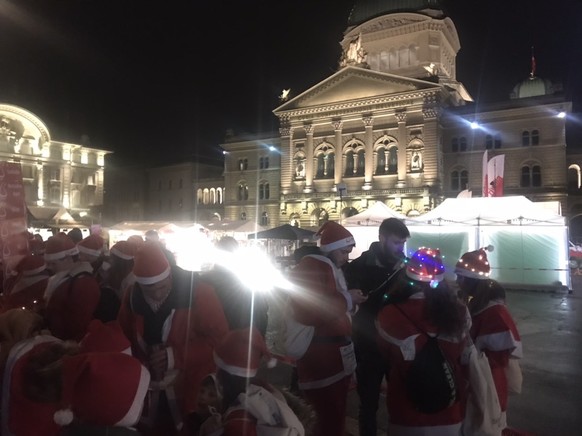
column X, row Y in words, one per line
column 160, row 81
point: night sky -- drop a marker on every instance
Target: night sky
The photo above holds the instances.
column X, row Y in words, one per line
column 163, row 81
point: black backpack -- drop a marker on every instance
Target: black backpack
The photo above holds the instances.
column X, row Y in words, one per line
column 430, row 380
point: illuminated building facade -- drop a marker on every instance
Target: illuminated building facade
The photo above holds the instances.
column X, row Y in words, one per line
column 57, row 175
column 394, row 125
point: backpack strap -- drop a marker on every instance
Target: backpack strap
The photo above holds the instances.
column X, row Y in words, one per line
column 412, row 322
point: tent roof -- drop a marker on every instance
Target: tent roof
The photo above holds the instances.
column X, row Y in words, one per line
column 373, row 216
column 285, row 231
column 513, row 210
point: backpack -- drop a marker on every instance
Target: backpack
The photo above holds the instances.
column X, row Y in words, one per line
column 274, row 416
column 430, row 380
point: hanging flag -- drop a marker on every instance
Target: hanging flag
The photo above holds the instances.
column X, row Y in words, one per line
column 495, row 169
column 485, row 192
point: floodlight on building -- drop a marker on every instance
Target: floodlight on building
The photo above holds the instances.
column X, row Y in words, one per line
column 561, row 114
column 474, row 125
column 83, row 214
column 272, row 148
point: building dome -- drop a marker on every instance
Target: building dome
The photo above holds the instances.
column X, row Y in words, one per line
column 365, row 10
column 532, row 87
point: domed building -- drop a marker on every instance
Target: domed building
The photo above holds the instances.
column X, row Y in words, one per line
column 394, row 125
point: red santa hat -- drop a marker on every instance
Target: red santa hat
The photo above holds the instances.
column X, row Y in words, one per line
column 136, row 240
column 91, row 245
column 104, row 389
column 334, row 236
column 426, row 265
column 59, row 246
column 31, row 265
column 241, row 351
column 150, row 264
column 474, row 264
column 124, row 250
column 104, row 337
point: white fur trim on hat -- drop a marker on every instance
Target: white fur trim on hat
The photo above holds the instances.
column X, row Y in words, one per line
column 424, row 277
column 346, row 242
column 472, row 274
column 154, row 279
column 234, row 370
column 89, row 251
column 61, row 254
column 134, row 413
column 120, row 254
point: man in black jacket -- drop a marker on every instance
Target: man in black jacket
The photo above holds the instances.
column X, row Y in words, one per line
column 371, row 272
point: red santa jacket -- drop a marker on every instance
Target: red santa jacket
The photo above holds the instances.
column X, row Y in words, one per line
column 322, row 301
column 71, row 298
column 399, row 340
column 194, row 325
column 494, row 332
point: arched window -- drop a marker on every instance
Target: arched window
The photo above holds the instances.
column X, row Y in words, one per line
column 206, row 196
column 349, row 163
column 531, row 176
column 330, row 165
column 381, row 161
column 320, row 166
column 463, row 144
column 199, row 197
column 243, row 191
column 525, row 138
column 219, row 195
column 488, row 142
column 535, row 137
column 243, row 216
column 264, row 191
column 361, row 157
column 393, row 160
column 459, row 180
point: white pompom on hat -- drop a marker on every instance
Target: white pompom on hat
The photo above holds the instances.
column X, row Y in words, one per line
column 150, row 264
column 241, row 351
column 103, row 389
column 474, row 264
column 426, row 265
column 334, row 236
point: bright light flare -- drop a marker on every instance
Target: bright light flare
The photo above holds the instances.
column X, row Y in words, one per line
column 254, row 268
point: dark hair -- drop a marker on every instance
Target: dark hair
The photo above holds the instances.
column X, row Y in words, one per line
column 482, row 293
column 394, row 226
column 443, row 308
column 305, row 250
column 75, row 234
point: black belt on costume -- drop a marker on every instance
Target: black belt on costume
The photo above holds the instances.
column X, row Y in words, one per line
column 332, row 339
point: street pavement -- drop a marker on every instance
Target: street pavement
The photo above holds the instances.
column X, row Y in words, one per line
column 550, row 404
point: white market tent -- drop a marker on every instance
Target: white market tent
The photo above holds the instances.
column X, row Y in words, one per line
column 530, row 241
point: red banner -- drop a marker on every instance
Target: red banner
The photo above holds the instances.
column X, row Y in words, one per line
column 13, row 234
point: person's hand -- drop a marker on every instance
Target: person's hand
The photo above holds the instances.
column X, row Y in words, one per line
column 357, row 296
column 158, row 363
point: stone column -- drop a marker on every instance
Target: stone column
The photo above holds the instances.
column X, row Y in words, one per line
column 369, row 153
column 309, row 163
column 402, row 142
column 337, row 127
column 287, row 169
column 40, row 184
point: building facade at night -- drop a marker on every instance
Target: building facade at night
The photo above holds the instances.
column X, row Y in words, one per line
column 394, row 125
column 58, row 176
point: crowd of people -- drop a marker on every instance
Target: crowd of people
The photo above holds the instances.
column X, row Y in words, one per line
column 124, row 341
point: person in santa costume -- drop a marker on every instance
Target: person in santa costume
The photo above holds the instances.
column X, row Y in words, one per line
column 51, row 388
column 120, row 273
column 323, row 301
column 28, row 289
column 72, row 293
column 92, row 250
column 493, row 329
column 247, row 401
column 173, row 321
column 420, row 302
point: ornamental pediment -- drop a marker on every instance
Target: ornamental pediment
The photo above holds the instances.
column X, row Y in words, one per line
column 356, row 84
